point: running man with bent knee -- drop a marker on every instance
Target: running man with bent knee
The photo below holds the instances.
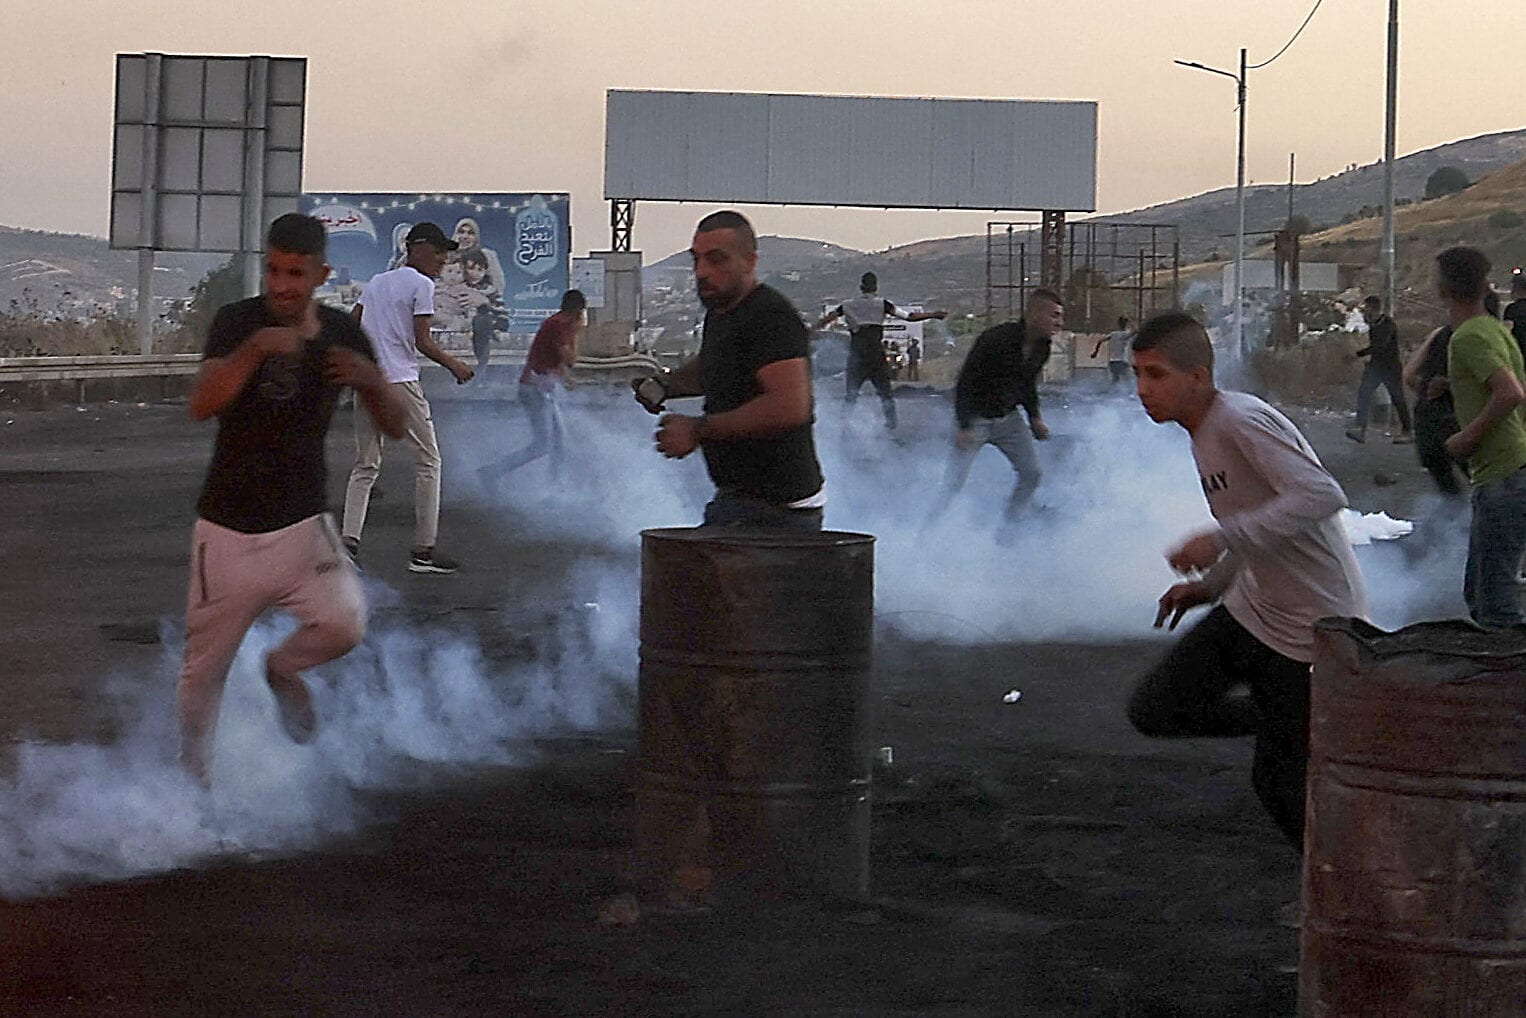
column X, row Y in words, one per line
column 272, row 373
column 1277, row 561
column 1000, row 374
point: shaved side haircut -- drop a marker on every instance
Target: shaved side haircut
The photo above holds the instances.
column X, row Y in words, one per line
column 1180, row 337
column 729, row 220
column 1044, row 293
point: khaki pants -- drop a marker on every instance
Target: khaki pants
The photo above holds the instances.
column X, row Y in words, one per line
column 368, row 456
column 234, row 578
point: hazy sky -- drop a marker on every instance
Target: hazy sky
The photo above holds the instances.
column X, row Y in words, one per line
column 508, row 95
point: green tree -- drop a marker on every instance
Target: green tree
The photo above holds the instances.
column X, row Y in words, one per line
column 1505, row 219
column 222, row 285
column 1445, row 180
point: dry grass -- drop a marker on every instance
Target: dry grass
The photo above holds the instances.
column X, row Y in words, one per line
column 35, row 336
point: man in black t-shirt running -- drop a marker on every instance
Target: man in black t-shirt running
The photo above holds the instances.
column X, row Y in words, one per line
column 753, row 368
column 272, row 372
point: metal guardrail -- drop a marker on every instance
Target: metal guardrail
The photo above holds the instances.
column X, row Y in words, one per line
column 79, row 369
column 75, row 369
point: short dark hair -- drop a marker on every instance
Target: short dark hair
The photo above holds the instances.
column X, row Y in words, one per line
column 1518, row 281
column 868, row 282
column 1045, row 293
column 1464, row 273
column 1123, row 321
column 1180, row 337
column 573, row 300
column 726, row 219
column 295, row 233
column 1373, row 301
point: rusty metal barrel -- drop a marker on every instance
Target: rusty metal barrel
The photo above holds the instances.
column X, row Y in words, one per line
column 1414, row 885
column 754, row 735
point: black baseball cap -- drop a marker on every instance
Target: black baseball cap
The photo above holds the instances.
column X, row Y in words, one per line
column 429, row 233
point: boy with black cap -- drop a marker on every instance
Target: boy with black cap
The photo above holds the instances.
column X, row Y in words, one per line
column 395, row 311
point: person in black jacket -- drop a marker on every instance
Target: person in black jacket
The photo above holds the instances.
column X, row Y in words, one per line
column 1000, row 374
column 1384, row 368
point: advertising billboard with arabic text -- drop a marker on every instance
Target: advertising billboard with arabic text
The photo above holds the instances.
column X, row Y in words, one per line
column 511, row 269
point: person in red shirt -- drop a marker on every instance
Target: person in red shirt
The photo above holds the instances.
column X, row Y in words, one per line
column 553, row 351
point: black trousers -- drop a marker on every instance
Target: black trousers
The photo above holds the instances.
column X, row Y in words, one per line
column 870, row 366
column 1192, row 694
column 1435, row 422
column 1389, row 376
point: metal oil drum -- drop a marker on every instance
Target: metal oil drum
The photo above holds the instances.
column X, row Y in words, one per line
column 754, row 709
column 1414, row 888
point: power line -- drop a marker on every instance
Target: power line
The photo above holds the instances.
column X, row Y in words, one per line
column 1256, row 67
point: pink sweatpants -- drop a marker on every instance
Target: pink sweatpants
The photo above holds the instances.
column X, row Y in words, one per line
column 234, row 578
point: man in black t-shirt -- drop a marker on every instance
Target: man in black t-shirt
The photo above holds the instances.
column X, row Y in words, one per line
column 753, row 368
column 272, row 372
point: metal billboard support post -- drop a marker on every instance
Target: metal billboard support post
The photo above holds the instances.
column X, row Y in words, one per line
column 622, row 220
column 148, row 211
column 254, row 175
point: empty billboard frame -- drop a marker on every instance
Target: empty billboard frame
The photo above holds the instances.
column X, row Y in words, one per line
column 774, row 149
column 206, row 149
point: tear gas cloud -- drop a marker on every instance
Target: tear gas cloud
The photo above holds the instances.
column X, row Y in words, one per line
column 1085, row 563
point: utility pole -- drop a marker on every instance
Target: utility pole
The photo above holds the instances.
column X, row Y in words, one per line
column 1386, row 251
column 1292, row 157
column 1240, row 230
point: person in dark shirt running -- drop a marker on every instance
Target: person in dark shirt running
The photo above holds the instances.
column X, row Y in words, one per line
column 1000, row 374
column 753, row 369
column 1383, row 368
column 263, row 539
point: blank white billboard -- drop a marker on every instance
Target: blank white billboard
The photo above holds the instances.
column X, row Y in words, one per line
column 1313, row 277
column 755, row 148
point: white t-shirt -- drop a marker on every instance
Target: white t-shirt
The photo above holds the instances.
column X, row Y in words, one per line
column 869, row 309
column 1289, row 561
column 388, row 306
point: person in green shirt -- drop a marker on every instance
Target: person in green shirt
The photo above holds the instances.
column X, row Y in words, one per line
column 1484, row 371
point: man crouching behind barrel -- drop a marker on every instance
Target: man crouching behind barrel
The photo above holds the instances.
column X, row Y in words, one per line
column 1277, row 561
column 754, row 371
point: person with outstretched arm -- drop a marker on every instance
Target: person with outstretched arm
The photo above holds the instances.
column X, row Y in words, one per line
column 865, row 316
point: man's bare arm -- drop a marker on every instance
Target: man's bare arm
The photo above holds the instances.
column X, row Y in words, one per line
column 220, row 379
column 435, row 352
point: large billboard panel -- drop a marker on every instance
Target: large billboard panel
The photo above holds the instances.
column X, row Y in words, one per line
column 206, row 150
column 753, row 148
column 512, row 266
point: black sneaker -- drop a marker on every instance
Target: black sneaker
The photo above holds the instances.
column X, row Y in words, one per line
column 427, row 561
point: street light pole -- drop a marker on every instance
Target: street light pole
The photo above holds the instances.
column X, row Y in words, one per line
column 1239, row 80
column 1240, row 229
column 1386, row 250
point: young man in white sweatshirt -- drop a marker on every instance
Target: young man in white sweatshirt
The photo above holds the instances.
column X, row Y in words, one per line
column 1277, row 560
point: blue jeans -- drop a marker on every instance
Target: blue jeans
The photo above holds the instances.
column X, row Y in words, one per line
column 1496, row 539
column 734, row 509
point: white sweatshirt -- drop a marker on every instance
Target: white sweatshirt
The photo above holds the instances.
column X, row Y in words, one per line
column 1288, row 561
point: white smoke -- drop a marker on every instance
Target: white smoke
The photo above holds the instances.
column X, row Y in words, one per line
column 1086, row 563
column 411, row 699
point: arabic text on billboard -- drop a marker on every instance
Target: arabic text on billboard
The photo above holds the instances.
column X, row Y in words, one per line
column 512, row 264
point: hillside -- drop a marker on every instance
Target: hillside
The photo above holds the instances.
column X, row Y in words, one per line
column 62, row 275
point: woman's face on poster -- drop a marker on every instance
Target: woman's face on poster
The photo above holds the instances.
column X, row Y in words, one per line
column 467, row 235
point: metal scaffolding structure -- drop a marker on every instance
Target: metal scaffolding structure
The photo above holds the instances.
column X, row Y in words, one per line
column 1104, row 270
